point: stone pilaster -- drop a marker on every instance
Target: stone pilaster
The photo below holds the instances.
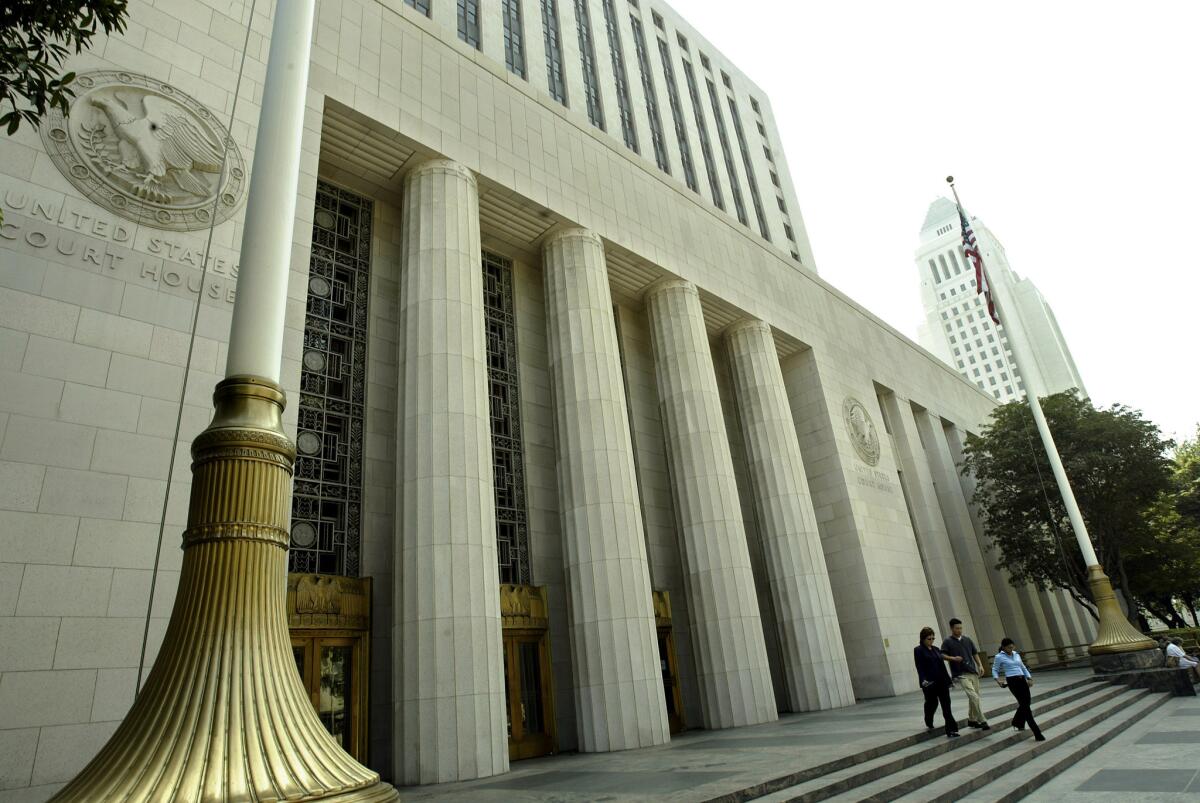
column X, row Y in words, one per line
column 941, row 570
column 814, row 661
column 731, row 657
column 449, row 693
column 614, row 646
column 968, row 556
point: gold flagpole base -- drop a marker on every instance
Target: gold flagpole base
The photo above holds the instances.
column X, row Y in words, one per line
column 223, row 715
column 1116, row 634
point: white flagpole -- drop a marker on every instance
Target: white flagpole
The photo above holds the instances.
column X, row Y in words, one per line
column 1116, row 635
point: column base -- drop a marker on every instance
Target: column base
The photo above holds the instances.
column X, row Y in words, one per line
column 1115, row 634
column 1114, row 662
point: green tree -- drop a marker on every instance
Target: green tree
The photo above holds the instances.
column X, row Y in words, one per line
column 1118, row 466
column 36, row 37
column 1172, row 569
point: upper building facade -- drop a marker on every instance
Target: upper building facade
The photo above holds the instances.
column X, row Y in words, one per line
column 957, row 326
column 588, row 453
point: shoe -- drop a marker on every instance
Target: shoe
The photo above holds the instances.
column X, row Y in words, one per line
column 971, row 724
column 928, row 726
column 952, row 735
column 1018, row 730
column 1037, row 737
column 983, row 726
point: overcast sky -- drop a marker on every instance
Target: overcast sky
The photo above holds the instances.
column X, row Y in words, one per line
column 1072, row 130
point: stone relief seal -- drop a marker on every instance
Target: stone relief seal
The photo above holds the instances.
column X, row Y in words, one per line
column 147, row 151
column 862, row 430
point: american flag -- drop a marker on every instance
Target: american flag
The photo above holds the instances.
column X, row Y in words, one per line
column 971, row 249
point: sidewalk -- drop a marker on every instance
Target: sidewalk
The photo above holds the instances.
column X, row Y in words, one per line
column 700, row 765
column 1157, row 759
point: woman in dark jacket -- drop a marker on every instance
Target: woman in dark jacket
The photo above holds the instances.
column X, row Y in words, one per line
column 935, row 681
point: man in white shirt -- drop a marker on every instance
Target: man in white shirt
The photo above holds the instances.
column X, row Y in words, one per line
column 1175, row 650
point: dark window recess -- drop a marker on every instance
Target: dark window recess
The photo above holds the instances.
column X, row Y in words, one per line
column 658, row 23
column 710, row 165
column 725, row 80
column 326, row 527
column 554, row 62
column 735, row 186
column 682, row 40
column 587, row 52
column 657, row 139
column 754, row 105
column 782, row 205
column 787, row 232
column 508, row 459
column 774, row 178
column 514, row 43
column 419, row 5
column 705, row 63
column 750, row 181
column 685, row 150
column 624, row 104
column 468, row 22
column 767, row 153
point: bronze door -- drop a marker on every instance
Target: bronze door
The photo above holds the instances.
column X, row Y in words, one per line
column 527, row 690
column 333, row 673
column 670, row 677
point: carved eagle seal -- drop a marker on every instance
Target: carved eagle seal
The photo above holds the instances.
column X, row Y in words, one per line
column 163, row 141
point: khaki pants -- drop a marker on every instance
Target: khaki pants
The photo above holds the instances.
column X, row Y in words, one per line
column 970, row 684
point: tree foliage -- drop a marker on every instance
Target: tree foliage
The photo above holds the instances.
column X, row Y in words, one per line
column 1119, row 471
column 36, row 37
column 1172, row 572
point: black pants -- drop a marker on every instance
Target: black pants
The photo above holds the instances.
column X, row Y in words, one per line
column 939, row 693
column 1024, row 716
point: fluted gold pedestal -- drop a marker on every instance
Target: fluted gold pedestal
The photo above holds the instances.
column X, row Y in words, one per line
column 1119, row 646
column 223, row 715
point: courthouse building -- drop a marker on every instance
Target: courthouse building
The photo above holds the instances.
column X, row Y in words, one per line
column 957, row 326
column 588, row 452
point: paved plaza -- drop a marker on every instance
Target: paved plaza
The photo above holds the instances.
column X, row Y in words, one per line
column 703, row 765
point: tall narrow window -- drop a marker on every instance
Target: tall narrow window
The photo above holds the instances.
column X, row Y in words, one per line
column 727, row 151
column 468, row 22
column 554, row 62
column 685, row 150
column 754, row 196
column 735, row 186
column 710, row 166
column 624, row 105
column 656, row 130
column 419, row 5
column 508, row 462
column 514, row 44
column 587, row 52
column 326, row 524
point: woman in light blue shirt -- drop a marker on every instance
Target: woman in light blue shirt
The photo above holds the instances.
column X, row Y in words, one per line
column 1009, row 670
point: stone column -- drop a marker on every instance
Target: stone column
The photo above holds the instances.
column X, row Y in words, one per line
column 971, row 568
column 941, row 569
column 731, row 657
column 810, row 640
column 614, row 645
column 449, row 692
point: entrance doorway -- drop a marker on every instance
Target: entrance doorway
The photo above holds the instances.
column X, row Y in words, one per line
column 329, row 620
column 528, row 686
column 666, row 661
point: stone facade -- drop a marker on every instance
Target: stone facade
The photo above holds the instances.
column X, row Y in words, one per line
column 699, row 413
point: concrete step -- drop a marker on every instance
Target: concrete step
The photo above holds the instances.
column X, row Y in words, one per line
column 1043, row 700
column 1054, row 757
column 953, row 769
column 882, row 769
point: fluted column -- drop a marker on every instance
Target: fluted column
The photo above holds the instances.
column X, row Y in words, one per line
column 810, row 641
column 614, row 645
column 450, row 681
column 731, row 657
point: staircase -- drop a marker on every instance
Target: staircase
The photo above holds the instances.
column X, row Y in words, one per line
column 1000, row 764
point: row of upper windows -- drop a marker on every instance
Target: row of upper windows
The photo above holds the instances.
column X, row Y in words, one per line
column 514, row 58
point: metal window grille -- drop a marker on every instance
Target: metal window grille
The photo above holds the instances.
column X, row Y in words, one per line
column 468, row 22
column 710, row 165
column 587, row 52
column 735, row 186
column 624, row 105
column 685, row 150
column 508, row 463
column 554, row 63
column 419, row 5
column 754, row 196
column 514, row 45
column 327, row 491
column 656, row 130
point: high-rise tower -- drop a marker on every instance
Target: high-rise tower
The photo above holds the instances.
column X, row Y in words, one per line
column 957, row 327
